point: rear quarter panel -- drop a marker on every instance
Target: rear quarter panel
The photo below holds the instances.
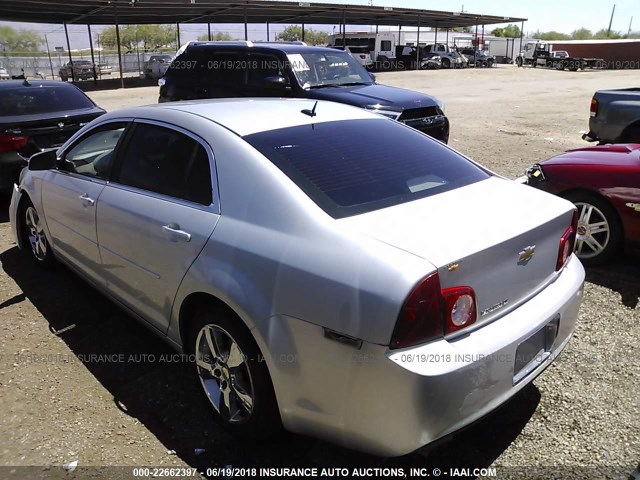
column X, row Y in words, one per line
column 617, row 109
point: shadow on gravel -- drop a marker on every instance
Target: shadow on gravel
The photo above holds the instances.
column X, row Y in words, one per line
column 622, row 275
column 5, row 200
column 162, row 395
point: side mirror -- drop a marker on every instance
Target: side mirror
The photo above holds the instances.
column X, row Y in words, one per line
column 373, row 77
column 277, row 82
column 44, row 160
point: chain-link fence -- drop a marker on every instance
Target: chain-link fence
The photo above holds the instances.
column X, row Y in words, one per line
column 45, row 67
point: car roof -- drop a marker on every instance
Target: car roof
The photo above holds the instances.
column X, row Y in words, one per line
column 245, row 116
column 11, row 84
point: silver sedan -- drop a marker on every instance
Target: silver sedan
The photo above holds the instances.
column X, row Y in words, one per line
column 328, row 270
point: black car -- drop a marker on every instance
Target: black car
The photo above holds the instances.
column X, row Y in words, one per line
column 246, row 69
column 35, row 116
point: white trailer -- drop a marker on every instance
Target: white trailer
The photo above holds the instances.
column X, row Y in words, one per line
column 381, row 46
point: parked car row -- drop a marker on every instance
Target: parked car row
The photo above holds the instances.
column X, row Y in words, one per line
column 320, row 225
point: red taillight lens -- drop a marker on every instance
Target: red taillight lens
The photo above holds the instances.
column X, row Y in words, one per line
column 460, row 308
column 594, row 107
column 567, row 242
column 421, row 316
column 430, row 312
column 9, row 142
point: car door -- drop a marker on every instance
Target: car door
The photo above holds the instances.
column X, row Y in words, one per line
column 155, row 217
column 70, row 194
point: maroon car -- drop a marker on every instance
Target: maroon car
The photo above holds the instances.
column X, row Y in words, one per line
column 604, row 183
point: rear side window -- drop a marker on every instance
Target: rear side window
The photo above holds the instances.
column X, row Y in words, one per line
column 163, row 160
column 357, row 166
column 42, row 99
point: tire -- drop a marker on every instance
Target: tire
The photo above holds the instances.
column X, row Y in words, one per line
column 478, row 63
column 34, row 240
column 519, row 62
column 241, row 395
column 446, row 63
column 631, row 135
column 599, row 235
column 64, row 79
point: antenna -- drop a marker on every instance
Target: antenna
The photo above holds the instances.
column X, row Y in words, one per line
column 312, row 112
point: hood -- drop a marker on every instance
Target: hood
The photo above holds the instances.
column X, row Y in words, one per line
column 369, row 95
column 605, row 155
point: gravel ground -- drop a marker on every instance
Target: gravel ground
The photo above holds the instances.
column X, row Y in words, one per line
column 580, row 419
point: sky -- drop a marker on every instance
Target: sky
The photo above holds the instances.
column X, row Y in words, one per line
column 561, row 15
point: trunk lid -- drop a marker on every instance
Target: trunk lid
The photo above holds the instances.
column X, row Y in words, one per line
column 496, row 236
column 48, row 132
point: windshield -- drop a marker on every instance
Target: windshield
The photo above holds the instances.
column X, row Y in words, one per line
column 82, row 63
column 358, row 49
column 350, row 167
column 320, row 69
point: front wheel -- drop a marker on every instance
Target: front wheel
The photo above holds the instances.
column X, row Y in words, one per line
column 446, row 63
column 233, row 374
column 599, row 234
column 34, row 239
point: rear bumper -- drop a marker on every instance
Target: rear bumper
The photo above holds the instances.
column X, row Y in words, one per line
column 390, row 403
column 11, row 164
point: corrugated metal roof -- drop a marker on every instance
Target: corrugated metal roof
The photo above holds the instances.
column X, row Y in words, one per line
column 104, row 12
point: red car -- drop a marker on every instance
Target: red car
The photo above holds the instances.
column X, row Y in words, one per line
column 604, row 183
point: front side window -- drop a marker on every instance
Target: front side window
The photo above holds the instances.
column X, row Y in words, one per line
column 351, row 167
column 93, row 155
column 162, row 160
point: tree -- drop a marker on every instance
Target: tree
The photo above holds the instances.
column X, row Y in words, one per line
column 148, row 37
column 551, row 35
column 293, row 33
column 218, row 37
column 510, row 31
column 582, row 34
column 604, row 35
column 13, row 40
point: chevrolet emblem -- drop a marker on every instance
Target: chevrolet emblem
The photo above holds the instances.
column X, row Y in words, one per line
column 61, row 125
column 526, row 254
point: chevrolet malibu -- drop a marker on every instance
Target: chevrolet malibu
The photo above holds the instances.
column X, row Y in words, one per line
column 378, row 294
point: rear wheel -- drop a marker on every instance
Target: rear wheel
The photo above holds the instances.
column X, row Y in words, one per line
column 599, row 233
column 631, row 135
column 233, row 375
column 34, row 239
column 446, row 63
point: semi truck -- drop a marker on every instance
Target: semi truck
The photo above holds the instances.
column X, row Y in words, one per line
column 541, row 54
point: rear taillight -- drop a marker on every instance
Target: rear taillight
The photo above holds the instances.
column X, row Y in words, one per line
column 9, row 142
column 567, row 242
column 593, row 110
column 460, row 308
column 430, row 312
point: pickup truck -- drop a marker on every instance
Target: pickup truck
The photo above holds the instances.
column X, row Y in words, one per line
column 82, row 70
column 615, row 116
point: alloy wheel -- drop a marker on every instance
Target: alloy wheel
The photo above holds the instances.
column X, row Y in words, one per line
column 594, row 231
column 224, row 374
column 35, row 234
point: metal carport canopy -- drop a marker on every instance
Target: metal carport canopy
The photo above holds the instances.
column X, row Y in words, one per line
column 104, row 12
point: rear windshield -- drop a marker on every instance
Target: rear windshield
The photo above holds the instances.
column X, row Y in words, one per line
column 41, row 99
column 357, row 166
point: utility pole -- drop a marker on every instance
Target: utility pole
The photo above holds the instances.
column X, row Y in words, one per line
column 611, row 21
column 629, row 31
column 49, row 53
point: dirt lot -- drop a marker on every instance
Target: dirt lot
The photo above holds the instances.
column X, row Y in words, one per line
column 581, row 418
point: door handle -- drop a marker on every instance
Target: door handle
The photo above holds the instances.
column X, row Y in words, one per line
column 173, row 229
column 86, row 200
